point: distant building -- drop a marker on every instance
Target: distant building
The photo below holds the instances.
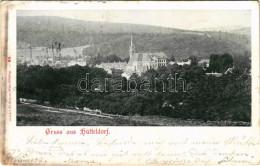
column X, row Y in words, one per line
column 41, row 56
column 187, row 62
column 141, row 62
column 172, row 62
column 214, row 74
column 79, row 62
column 60, row 64
column 126, row 74
column 114, row 65
column 73, row 51
column 203, row 63
column 138, row 63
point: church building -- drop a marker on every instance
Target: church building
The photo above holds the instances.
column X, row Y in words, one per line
column 141, row 62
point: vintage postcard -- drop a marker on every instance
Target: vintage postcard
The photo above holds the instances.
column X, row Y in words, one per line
column 130, row 83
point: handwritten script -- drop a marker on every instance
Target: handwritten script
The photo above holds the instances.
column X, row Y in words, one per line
column 103, row 150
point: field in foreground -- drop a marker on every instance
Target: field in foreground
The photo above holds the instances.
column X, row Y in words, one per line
column 28, row 115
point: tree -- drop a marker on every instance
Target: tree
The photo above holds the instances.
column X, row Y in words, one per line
column 226, row 62
column 194, row 61
column 113, row 58
column 220, row 63
column 126, row 59
column 172, row 58
column 214, row 63
column 89, row 52
column 242, row 63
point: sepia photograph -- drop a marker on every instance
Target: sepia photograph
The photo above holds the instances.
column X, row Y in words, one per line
column 133, row 68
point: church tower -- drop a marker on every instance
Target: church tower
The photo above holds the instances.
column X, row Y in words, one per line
column 132, row 48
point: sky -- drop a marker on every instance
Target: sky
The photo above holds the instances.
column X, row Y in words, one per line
column 181, row 19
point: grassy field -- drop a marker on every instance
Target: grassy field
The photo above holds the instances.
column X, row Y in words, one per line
column 30, row 116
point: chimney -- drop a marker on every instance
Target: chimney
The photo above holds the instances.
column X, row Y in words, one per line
column 52, row 55
column 59, row 49
column 47, row 55
column 30, row 54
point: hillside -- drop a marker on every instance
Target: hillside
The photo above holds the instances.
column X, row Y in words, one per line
column 114, row 38
column 246, row 31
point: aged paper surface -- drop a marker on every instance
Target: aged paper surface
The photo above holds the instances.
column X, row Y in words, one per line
column 39, row 131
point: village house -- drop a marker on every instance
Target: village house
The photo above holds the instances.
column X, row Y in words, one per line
column 114, row 65
column 203, row 63
column 80, row 62
column 184, row 62
column 214, row 74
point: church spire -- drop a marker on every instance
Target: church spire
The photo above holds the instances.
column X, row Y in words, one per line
column 131, row 40
column 132, row 48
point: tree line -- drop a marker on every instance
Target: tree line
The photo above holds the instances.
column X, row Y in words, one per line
column 207, row 97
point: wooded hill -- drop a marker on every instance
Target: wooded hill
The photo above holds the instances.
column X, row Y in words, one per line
column 114, row 38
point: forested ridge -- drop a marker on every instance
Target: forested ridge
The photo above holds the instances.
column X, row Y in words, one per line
column 113, row 38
